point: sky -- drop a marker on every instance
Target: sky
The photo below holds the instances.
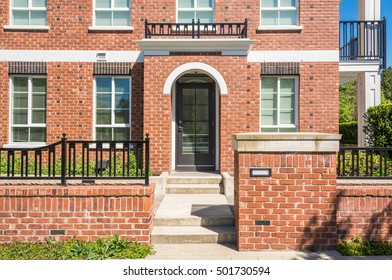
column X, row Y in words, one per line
column 349, row 10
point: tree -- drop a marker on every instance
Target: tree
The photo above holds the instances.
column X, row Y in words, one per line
column 348, row 102
column 386, row 84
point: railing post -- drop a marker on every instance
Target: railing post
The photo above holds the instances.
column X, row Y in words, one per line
column 145, row 28
column 246, row 28
column 147, row 159
column 193, row 28
column 64, row 160
column 384, row 36
column 198, row 28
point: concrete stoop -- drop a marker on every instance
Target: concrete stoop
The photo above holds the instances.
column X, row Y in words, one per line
column 193, row 210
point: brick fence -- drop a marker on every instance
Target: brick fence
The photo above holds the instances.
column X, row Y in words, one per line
column 33, row 212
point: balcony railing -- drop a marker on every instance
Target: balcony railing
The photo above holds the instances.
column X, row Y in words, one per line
column 196, row 29
column 363, row 40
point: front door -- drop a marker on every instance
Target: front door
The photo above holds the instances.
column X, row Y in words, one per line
column 195, row 126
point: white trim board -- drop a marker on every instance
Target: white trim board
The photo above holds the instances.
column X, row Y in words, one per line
column 294, row 56
column 69, row 56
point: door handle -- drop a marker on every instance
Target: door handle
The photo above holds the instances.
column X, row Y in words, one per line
column 180, row 127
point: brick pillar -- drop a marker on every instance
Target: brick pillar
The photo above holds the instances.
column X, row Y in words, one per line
column 295, row 206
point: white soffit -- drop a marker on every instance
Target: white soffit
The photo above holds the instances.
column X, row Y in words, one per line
column 359, row 66
column 294, row 56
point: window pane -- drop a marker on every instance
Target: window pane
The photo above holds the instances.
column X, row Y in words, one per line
column 269, row 17
column 269, row 85
column 121, row 85
column 20, row 3
column 205, row 17
column 38, row 134
column 269, row 117
column 102, row 3
column 103, row 19
column 287, row 3
column 104, row 85
column 121, row 3
column 186, row 3
column 20, row 100
column 121, row 116
column 269, row 101
column 185, row 17
column 21, row 18
column 122, row 101
column 121, row 19
column 269, row 129
column 38, row 116
column 39, row 101
column 269, row 3
column 39, row 85
column 204, row 3
column 38, row 18
column 104, row 101
column 288, row 18
column 121, row 134
column 286, row 117
column 103, row 133
column 20, row 84
column 39, row 3
column 293, row 129
column 287, row 101
column 20, row 134
column 19, row 116
column 104, row 117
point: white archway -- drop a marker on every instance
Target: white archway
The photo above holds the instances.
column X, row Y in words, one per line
column 207, row 69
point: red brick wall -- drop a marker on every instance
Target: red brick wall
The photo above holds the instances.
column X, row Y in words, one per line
column 30, row 213
column 299, row 200
column 4, row 103
column 364, row 210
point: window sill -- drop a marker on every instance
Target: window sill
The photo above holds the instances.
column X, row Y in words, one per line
column 27, row 27
column 110, row 28
column 24, row 145
column 281, row 28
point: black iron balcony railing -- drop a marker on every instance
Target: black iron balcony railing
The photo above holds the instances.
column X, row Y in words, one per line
column 363, row 40
column 196, row 29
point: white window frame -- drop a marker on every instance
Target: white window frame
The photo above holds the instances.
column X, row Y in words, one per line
column 29, row 110
column 112, row 9
column 279, row 9
column 195, row 10
column 113, row 101
column 29, row 9
column 296, row 91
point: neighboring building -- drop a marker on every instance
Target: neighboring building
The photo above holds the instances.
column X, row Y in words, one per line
column 116, row 69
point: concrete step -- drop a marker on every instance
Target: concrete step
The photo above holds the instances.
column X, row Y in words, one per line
column 194, row 178
column 193, row 189
column 193, row 234
column 194, row 221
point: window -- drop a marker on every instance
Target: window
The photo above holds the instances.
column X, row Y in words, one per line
column 112, row 13
column 195, row 9
column 28, row 12
column 278, row 104
column 279, row 12
column 28, row 109
column 112, row 106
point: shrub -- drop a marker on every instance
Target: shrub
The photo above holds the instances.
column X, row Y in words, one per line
column 349, row 132
column 103, row 248
column 378, row 125
column 359, row 247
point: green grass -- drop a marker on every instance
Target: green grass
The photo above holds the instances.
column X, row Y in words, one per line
column 102, row 249
column 360, row 247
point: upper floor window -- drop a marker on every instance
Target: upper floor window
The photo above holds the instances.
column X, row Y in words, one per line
column 28, row 12
column 112, row 13
column 279, row 12
column 195, row 9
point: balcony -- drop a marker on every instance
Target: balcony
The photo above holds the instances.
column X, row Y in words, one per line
column 363, row 41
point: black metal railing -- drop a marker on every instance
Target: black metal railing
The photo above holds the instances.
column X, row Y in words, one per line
column 196, row 29
column 363, row 40
column 364, row 163
column 78, row 160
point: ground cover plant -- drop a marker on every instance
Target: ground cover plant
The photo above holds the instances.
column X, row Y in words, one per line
column 359, row 247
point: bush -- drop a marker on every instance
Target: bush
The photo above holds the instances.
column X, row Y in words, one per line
column 104, row 248
column 360, row 247
column 349, row 132
column 378, row 125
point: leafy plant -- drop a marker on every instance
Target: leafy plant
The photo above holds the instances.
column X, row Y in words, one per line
column 359, row 247
column 378, row 125
column 349, row 132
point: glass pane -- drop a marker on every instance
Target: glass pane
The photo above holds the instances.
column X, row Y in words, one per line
column 102, row 3
column 287, row 3
column 121, row 19
column 269, row 85
column 121, row 3
column 269, row 117
column 293, row 129
column 104, row 116
column 269, row 129
column 121, row 116
column 21, row 18
column 19, row 116
column 287, row 102
column 269, row 3
column 288, row 18
column 38, row 18
column 103, row 133
column 186, row 3
column 205, row 17
column 20, row 3
column 269, row 101
column 39, row 85
column 20, row 84
column 122, row 101
column 37, row 134
column 104, row 85
column 39, row 3
column 39, row 101
column 121, row 85
column 104, row 101
column 287, row 86
column 188, row 144
column 121, row 134
column 204, row 3
column 286, row 117
column 269, row 17
column 103, row 18
column 20, row 134
column 185, row 17
column 20, row 100
column 38, row 116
